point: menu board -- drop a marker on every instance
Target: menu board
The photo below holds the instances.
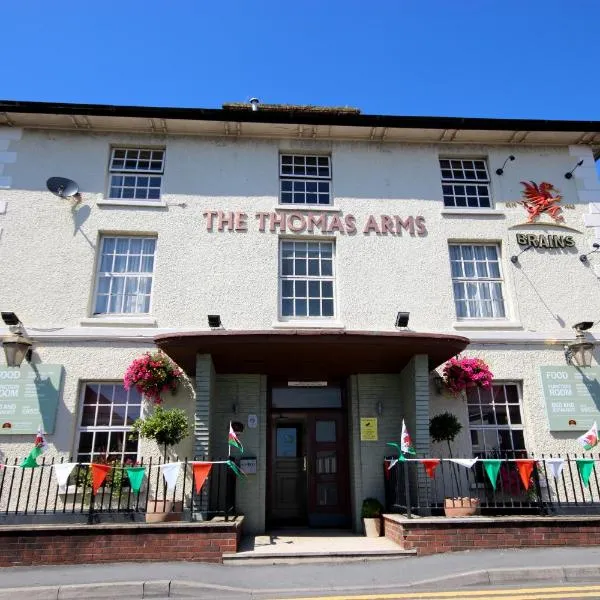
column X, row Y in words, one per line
column 29, row 398
column 572, row 396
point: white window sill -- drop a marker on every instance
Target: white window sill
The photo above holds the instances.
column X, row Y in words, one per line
column 145, row 204
column 308, row 207
column 308, row 325
column 118, row 321
column 483, row 324
column 480, row 212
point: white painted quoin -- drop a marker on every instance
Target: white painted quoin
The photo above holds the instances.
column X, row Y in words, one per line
column 219, row 238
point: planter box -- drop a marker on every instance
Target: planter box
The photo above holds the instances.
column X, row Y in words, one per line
column 461, row 507
column 164, row 511
column 372, row 527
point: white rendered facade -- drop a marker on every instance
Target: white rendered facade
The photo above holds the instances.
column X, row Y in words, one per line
column 50, row 252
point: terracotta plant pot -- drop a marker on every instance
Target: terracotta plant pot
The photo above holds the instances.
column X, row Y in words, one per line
column 461, row 507
column 165, row 510
column 372, row 527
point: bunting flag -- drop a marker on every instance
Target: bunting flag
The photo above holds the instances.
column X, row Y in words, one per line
column 465, row 462
column 234, row 440
column 555, row 466
column 171, row 473
column 201, row 471
column 30, row 462
column 235, row 469
column 99, row 473
column 585, row 467
column 492, row 466
column 430, row 465
column 406, row 445
column 590, row 438
column 40, row 440
column 400, row 455
column 392, row 463
column 62, row 472
column 135, row 476
column 525, row 468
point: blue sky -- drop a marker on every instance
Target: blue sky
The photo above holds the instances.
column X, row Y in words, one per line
column 482, row 58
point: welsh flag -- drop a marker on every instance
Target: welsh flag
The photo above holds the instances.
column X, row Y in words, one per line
column 590, row 438
column 40, row 446
column 406, row 445
column 234, row 440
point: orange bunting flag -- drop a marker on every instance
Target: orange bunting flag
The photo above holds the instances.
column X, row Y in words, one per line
column 525, row 468
column 430, row 465
column 99, row 473
column 201, row 471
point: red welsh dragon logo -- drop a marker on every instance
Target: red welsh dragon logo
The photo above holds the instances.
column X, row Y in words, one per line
column 538, row 199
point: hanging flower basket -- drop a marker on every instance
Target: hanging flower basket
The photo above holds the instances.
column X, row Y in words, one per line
column 463, row 373
column 152, row 374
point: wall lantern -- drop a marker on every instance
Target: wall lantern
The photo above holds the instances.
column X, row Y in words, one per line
column 579, row 352
column 17, row 345
column 402, row 319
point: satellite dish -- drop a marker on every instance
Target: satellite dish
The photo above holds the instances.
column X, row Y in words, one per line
column 62, row 187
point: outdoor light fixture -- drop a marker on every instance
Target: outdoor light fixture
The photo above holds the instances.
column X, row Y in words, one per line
column 514, row 259
column 569, row 175
column 17, row 346
column 579, row 352
column 500, row 171
column 584, row 257
column 402, row 319
column 214, row 321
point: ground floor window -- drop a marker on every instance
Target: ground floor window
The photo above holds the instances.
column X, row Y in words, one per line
column 107, row 414
column 496, row 421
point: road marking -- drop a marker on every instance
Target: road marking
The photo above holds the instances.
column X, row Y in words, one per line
column 562, row 593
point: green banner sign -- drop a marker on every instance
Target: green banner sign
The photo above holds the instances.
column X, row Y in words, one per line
column 29, row 398
column 572, row 397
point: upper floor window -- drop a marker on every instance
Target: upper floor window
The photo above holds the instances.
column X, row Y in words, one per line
column 306, row 279
column 465, row 183
column 107, row 414
column 477, row 281
column 136, row 174
column 125, row 269
column 305, row 179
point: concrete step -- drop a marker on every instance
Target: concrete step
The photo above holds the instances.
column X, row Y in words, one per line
column 279, row 558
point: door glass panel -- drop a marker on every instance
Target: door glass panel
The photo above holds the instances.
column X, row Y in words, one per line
column 327, row 494
column 326, row 462
column 287, row 442
column 325, row 431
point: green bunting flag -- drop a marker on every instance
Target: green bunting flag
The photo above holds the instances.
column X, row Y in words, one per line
column 492, row 467
column 31, row 461
column 397, row 446
column 135, row 476
column 235, row 469
column 585, row 467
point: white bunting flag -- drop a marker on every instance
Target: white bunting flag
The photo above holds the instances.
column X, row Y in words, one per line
column 62, row 472
column 465, row 462
column 393, row 463
column 555, row 466
column 171, row 473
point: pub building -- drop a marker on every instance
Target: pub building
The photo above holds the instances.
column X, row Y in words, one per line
column 311, row 270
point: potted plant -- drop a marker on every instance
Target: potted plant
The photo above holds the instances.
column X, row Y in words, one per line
column 152, row 374
column 444, row 428
column 167, row 427
column 461, row 373
column 371, row 516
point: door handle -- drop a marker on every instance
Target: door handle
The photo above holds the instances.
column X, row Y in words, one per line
column 304, row 463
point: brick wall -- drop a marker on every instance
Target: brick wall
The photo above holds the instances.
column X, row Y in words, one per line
column 435, row 535
column 78, row 544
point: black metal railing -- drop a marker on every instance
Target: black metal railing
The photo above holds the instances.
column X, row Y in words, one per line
column 410, row 491
column 33, row 494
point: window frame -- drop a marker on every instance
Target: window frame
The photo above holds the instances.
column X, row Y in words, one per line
column 102, row 238
column 475, row 279
column 135, row 172
column 452, row 181
column 126, row 429
column 509, row 426
column 306, row 179
column 307, row 278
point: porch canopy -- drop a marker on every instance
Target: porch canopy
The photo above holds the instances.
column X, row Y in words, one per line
column 309, row 353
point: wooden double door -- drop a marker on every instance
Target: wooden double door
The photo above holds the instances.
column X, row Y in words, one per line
column 309, row 469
